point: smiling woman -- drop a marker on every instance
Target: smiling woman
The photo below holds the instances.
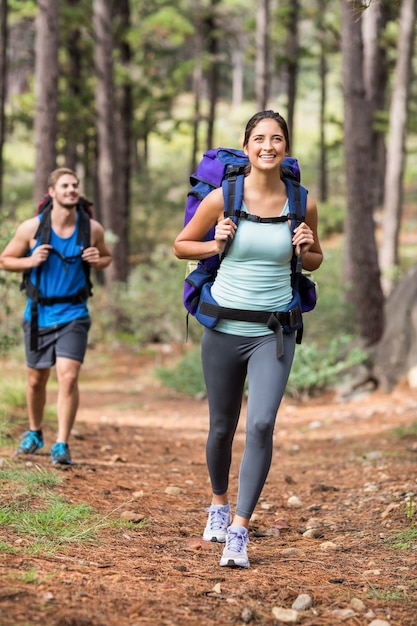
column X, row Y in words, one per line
column 254, row 275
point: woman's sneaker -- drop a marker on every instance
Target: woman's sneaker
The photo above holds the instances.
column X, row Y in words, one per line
column 60, row 454
column 31, row 441
column 234, row 553
column 219, row 519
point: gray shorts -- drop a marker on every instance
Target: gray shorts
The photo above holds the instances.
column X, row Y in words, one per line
column 63, row 340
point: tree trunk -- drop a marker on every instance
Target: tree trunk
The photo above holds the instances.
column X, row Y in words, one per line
column 262, row 78
column 46, row 93
column 323, row 179
column 396, row 144
column 124, row 134
column 3, row 84
column 107, row 150
column 292, row 63
column 74, row 90
column 374, row 20
column 213, row 71
column 361, row 249
column 197, row 80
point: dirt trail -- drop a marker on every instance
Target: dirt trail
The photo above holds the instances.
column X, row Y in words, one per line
column 139, row 448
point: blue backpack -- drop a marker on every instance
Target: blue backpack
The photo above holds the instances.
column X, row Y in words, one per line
column 226, row 167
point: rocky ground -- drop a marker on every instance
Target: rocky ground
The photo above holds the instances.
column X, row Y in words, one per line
column 332, row 522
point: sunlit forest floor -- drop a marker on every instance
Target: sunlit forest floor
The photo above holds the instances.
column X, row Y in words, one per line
column 138, row 448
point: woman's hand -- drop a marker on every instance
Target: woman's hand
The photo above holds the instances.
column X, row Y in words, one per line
column 303, row 236
column 225, row 228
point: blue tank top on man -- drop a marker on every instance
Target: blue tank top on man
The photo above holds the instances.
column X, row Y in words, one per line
column 60, row 279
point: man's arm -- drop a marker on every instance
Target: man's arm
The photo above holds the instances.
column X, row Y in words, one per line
column 98, row 254
column 14, row 257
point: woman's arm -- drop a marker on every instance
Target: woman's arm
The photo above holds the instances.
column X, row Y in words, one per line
column 306, row 235
column 189, row 243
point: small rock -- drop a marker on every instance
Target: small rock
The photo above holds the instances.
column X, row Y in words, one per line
column 116, row 458
column 357, row 605
column 343, row 614
column 294, row 502
column 288, row 616
column 295, row 552
column 302, row 603
column 173, row 491
column 329, row 546
column 247, row 614
column 48, row 596
column 131, row 516
column 379, row 622
column 372, row 572
column 312, row 533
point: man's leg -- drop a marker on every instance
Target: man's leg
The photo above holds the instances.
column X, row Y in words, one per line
column 68, row 396
column 36, row 396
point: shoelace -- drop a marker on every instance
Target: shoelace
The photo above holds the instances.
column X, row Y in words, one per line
column 59, row 449
column 235, row 541
column 218, row 518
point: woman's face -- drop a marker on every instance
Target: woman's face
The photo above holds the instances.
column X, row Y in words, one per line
column 266, row 147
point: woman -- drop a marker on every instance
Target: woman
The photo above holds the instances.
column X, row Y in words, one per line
column 254, row 275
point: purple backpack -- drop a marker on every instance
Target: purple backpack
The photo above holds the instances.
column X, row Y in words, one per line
column 225, row 167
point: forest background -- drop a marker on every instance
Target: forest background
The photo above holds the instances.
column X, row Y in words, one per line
column 130, row 94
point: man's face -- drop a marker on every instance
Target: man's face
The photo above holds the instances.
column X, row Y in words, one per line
column 66, row 192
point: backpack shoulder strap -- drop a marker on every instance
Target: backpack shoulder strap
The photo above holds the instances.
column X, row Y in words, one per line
column 84, row 226
column 232, row 187
column 297, row 199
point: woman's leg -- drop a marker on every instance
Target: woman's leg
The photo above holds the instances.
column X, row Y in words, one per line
column 267, row 377
column 224, row 372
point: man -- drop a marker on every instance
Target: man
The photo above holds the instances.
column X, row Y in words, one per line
column 56, row 318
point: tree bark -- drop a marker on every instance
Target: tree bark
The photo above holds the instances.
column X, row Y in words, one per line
column 3, row 84
column 396, row 144
column 46, row 93
column 213, row 70
column 197, row 82
column 292, row 63
column 361, row 248
column 107, row 149
column 262, row 78
column 124, row 134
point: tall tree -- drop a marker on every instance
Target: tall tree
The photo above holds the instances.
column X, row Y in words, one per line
column 323, row 70
column 124, row 135
column 361, row 248
column 213, row 72
column 197, row 82
column 46, row 93
column 293, row 60
column 262, row 70
column 375, row 68
column 73, row 87
column 396, row 143
column 107, row 158
column 3, row 82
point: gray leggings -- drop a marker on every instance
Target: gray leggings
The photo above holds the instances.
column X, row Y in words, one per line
column 227, row 360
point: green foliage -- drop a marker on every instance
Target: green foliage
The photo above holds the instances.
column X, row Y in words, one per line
column 314, row 370
column 185, row 377
column 317, row 369
column 331, row 219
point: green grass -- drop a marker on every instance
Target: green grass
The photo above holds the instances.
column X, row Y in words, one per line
column 34, row 512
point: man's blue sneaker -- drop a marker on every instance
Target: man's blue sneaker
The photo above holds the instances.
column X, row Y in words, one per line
column 60, row 454
column 219, row 519
column 234, row 553
column 31, row 441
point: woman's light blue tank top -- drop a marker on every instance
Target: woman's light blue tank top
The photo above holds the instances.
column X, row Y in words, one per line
column 255, row 274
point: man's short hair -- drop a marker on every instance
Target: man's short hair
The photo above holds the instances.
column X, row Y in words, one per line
column 56, row 175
